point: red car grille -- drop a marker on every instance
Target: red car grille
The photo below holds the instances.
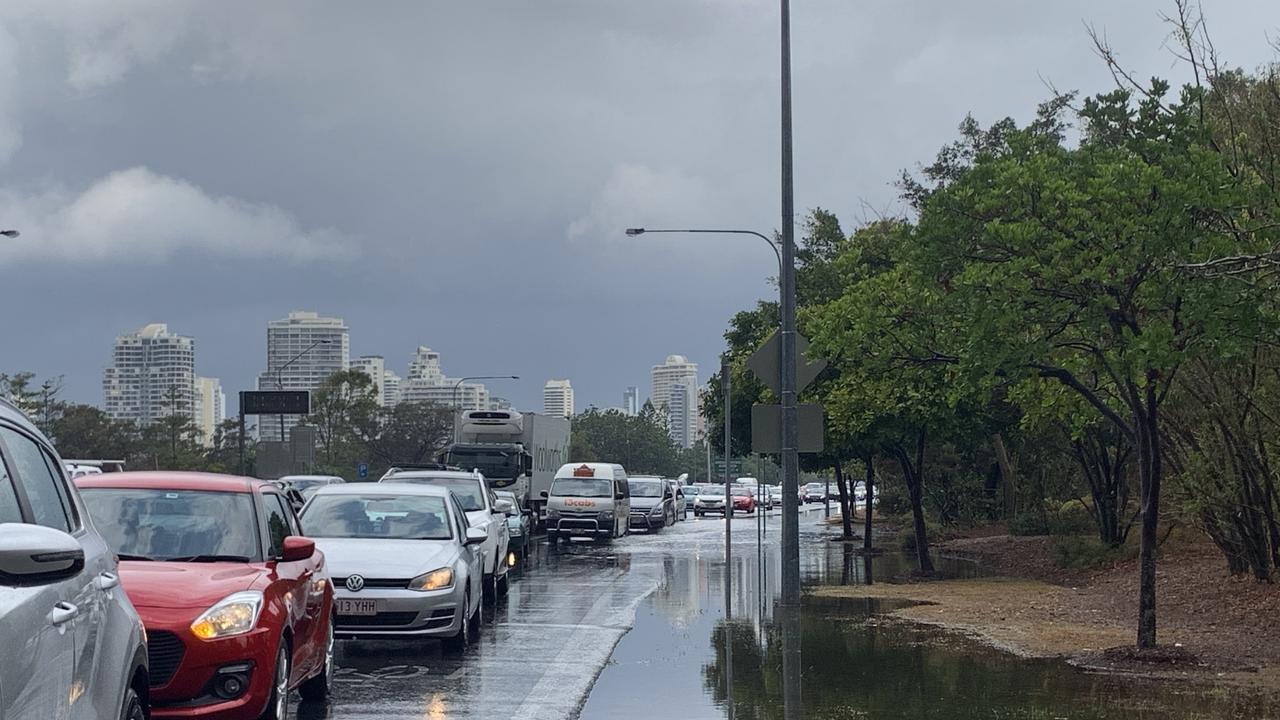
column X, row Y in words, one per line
column 164, row 654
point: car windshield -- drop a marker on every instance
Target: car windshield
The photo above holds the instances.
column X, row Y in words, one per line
column 397, row 517
column 493, row 463
column 468, row 489
column 690, row 490
column 742, row 491
column 712, row 491
column 645, row 488
column 158, row 524
column 582, row 487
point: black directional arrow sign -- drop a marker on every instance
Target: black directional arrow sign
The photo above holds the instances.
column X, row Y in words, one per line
column 766, row 363
column 766, row 420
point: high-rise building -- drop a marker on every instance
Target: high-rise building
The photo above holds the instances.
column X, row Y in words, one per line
column 211, row 408
column 631, row 400
column 499, row 403
column 428, row 383
column 152, row 375
column 678, row 376
column 302, row 351
column 557, row 398
column 390, row 388
column 375, row 366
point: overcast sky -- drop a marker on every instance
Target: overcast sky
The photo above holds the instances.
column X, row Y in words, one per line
column 459, row 174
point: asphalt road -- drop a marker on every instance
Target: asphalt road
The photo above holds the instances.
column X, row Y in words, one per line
column 543, row 646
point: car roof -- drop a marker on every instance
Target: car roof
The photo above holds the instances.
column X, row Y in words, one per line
column 426, row 474
column 11, row 413
column 384, row 488
column 172, row 480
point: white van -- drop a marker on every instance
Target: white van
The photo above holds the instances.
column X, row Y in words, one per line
column 588, row 500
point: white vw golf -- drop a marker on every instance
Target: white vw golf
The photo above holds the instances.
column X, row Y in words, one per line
column 403, row 559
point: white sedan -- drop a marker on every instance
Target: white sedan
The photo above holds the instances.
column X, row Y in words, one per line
column 404, row 560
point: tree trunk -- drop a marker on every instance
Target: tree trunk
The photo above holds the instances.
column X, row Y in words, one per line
column 866, row 510
column 846, row 518
column 1008, row 477
column 912, row 472
column 1147, row 425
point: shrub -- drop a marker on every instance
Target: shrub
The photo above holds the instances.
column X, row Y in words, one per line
column 1071, row 518
column 907, row 535
column 1076, row 552
column 1028, row 523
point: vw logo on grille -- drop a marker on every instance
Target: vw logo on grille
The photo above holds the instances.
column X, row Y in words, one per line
column 355, row 583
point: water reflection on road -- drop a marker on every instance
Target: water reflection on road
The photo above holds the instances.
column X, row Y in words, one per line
column 686, row 658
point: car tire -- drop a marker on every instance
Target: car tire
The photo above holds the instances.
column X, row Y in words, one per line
column 132, row 707
column 278, row 703
column 317, row 687
column 459, row 641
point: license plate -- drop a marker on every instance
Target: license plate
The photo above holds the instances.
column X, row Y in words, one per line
column 357, row 607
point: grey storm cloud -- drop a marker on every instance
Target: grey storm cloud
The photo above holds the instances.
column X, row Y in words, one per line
column 459, row 174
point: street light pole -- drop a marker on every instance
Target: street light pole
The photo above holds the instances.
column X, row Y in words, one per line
column 792, row 704
column 456, row 386
column 773, row 244
column 280, row 374
column 728, row 489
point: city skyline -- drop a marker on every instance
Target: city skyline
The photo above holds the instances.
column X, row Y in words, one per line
column 390, row 386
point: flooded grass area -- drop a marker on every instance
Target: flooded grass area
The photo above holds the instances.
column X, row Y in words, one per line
column 686, row 658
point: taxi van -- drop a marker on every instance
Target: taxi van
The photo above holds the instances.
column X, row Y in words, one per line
column 588, row 500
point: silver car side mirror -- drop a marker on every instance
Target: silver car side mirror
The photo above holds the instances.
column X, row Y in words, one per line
column 504, row 506
column 475, row 536
column 34, row 553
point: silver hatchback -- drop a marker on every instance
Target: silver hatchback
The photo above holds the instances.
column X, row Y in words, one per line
column 403, row 558
column 61, row 605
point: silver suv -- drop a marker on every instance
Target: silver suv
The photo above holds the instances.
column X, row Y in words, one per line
column 78, row 648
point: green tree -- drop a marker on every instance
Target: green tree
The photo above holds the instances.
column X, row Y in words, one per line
column 408, row 432
column 343, row 410
column 640, row 443
column 1071, row 264
column 84, row 431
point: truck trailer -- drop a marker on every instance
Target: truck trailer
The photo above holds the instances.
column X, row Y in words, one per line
column 517, row 452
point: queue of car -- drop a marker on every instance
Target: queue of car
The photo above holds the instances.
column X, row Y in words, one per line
column 214, row 596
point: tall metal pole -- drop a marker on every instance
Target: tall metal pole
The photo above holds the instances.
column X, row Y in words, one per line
column 728, row 489
column 792, row 705
column 790, row 435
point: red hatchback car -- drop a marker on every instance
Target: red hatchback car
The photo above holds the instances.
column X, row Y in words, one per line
column 237, row 605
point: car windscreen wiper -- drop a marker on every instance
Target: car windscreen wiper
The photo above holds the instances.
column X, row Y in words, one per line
column 126, row 556
column 211, row 558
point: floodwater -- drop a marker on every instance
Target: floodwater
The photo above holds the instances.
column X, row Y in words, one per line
column 687, row 657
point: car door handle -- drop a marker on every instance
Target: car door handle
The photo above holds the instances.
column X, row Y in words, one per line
column 107, row 581
column 63, row 613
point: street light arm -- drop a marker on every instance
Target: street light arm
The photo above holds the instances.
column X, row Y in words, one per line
column 773, row 244
column 295, row 358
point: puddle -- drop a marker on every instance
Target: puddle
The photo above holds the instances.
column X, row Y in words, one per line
column 685, row 659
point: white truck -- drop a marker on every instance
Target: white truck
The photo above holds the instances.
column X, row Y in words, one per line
column 517, row 452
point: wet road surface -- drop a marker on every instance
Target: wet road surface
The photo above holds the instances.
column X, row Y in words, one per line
column 540, row 649
column 639, row 629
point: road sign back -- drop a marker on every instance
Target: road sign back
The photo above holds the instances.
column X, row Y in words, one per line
column 766, row 363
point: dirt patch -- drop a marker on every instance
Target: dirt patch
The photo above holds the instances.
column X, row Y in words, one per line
column 1025, row 617
column 1210, row 623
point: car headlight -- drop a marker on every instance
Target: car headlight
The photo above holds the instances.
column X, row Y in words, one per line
column 606, row 514
column 655, row 510
column 434, row 580
column 552, row 513
column 235, row 614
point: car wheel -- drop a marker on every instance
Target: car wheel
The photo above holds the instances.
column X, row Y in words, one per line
column 131, row 708
column 278, row 705
column 459, row 641
column 317, row 687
